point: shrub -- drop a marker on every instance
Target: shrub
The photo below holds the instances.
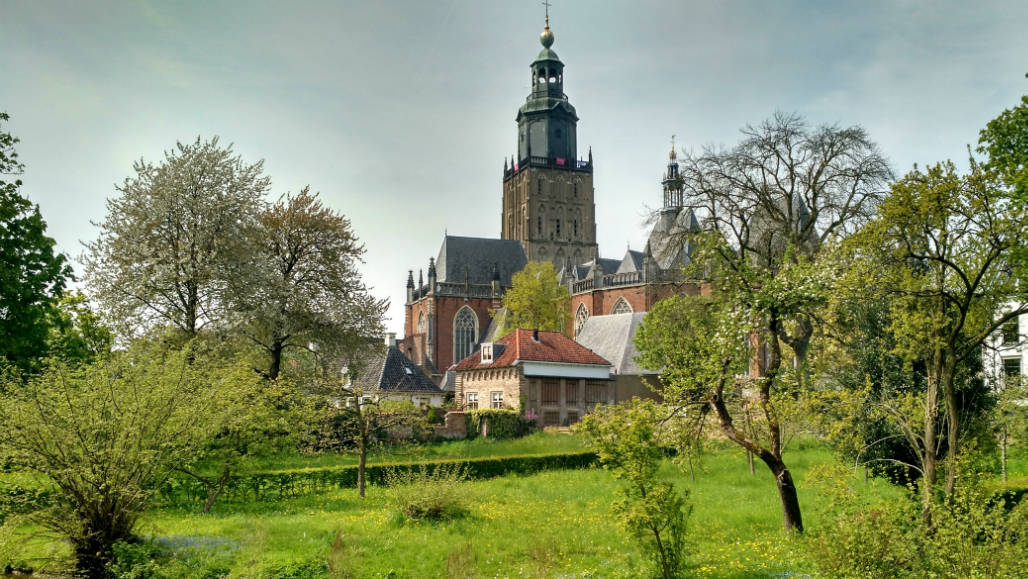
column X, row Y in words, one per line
column 432, row 494
column 499, row 423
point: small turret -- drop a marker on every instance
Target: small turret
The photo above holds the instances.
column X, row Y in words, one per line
column 431, row 275
column 410, row 286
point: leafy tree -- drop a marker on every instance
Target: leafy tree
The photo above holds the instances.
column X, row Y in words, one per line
column 940, row 248
column 304, row 287
column 174, row 237
column 105, row 435
column 627, row 439
column 78, row 333
column 537, row 300
column 775, row 200
column 1005, row 142
column 700, row 346
column 32, row 274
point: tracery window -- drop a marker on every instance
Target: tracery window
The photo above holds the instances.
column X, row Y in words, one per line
column 465, row 330
column 580, row 317
column 422, row 324
column 621, row 307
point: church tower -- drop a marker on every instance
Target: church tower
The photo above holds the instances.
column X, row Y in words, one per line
column 548, row 198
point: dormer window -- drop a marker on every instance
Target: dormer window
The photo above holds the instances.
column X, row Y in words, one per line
column 487, row 353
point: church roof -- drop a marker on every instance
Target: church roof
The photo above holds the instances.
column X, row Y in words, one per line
column 613, row 338
column 633, row 261
column 389, row 370
column 668, row 241
column 476, row 257
column 521, row 345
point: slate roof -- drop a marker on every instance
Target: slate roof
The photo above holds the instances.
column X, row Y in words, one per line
column 613, row 337
column 667, row 240
column 633, row 261
column 477, row 256
column 520, row 346
column 389, row 370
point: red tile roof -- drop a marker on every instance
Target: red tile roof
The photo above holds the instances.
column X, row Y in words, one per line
column 521, row 346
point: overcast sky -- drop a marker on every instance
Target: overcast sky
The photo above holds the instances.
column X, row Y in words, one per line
column 401, row 113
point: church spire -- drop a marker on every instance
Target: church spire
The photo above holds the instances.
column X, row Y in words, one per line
column 674, row 187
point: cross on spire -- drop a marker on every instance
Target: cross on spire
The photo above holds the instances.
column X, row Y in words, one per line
column 547, row 5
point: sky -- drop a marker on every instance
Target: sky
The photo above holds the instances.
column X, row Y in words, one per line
column 401, row 113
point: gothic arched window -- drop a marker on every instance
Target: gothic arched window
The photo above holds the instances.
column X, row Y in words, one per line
column 621, row 307
column 465, row 330
column 422, row 324
column 580, row 317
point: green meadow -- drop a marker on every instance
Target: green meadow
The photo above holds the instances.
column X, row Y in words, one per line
column 552, row 524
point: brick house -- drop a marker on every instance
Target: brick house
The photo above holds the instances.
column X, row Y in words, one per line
column 541, row 373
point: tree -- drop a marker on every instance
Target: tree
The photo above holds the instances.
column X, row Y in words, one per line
column 941, row 249
column 174, row 236
column 1005, row 143
column 106, row 435
column 78, row 334
column 700, row 347
column 627, row 439
column 777, row 198
column 361, row 415
column 304, row 287
column 537, row 300
column 32, row 274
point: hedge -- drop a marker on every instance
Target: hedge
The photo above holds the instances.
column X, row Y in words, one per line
column 1012, row 491
column 272, row 486
column 501, row 423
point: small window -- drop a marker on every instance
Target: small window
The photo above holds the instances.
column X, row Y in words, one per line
column 558, row 228
column 497, row 400
column 539, row 186
column 572, row 392
column 550, row 392
column 1010, row 333
column 471, row 402
column 576, row 189
column 539, row 225
column 576, row 227
column 1011, row 367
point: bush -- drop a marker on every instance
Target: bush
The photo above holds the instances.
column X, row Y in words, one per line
column 978, row 535
column 432, row 494
column 499, row 423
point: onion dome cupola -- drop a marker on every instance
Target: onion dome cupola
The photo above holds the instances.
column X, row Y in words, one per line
column 547, row 122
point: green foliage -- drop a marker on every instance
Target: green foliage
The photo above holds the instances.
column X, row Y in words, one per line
column 78, row 333
column 281, row 485
column 499, row 423
column 627, row 440
column 106, row 434
column 977, row 535
column 433, row 494
column 1005, row 141
column 537, row 300
column 32, row 274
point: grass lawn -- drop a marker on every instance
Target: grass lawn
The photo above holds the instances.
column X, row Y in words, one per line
column 554, row 524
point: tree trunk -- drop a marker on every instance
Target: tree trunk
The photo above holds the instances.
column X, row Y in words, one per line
column 362, row 460
column 1003, row 451
column 953, row 430
column 931, row 415
column 791, row 516
column 214, row 491
column 276, row 359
